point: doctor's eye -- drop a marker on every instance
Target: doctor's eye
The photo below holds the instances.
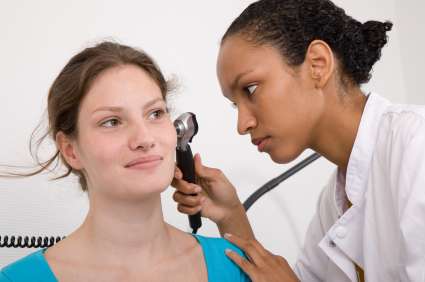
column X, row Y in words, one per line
column 250, row 89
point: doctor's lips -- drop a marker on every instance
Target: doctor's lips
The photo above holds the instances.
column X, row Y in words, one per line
column 260, row 142
column 145, row 162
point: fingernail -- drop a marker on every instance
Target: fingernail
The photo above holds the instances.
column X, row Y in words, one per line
column 198, row 189
column 227, row 251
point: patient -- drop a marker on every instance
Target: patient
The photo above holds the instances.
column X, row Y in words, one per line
column 108, row 116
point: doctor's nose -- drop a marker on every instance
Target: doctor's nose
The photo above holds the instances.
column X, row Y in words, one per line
column 246, row 121
column 141, row 138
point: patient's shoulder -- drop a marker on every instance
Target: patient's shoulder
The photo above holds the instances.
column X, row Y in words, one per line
column 220, row 267
column 216, row 245
column 26, row 268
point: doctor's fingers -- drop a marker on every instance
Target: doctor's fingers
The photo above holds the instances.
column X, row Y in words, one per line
column 185, row 187
column 188, row 200
column 201, row 171
column 274, row 268
column 255, row 252
column 178, row 174
column 189, row 210
column 243, row 263
column 205, row 180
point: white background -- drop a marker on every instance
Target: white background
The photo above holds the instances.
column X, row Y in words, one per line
column 39, row 37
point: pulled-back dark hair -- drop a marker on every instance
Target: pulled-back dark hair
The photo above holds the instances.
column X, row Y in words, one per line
column 291, row 25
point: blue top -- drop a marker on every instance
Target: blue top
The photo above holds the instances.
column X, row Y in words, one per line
column 35, row 268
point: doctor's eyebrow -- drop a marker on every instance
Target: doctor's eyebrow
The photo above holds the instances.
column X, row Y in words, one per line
column 121, row 109
column 235, row 82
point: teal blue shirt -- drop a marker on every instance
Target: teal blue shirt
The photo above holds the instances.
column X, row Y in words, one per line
column 35, row 268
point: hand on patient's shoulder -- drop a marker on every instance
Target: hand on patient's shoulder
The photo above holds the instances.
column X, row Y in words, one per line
column 259, row 263
column 220, row 267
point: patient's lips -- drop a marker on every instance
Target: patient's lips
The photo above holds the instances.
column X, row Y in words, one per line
column 145, row 162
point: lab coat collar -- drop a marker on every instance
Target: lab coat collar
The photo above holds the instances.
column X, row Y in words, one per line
column 361, row 154
column 343, row 242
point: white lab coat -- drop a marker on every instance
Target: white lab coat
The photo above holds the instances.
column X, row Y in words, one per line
column 384, row 231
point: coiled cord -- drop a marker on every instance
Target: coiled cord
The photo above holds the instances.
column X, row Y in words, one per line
column 28, row 242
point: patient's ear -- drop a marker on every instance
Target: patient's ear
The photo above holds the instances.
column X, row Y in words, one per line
column 321, row 62
column 68, row 150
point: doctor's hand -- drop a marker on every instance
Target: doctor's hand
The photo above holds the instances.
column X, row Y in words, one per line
column 215, row 198
column 261, row 265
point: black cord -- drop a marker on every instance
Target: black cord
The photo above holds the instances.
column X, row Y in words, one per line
column 28, row 242
column 270, row 185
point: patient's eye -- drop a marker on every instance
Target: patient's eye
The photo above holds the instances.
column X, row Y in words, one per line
column 157, row 114
column 112, row 122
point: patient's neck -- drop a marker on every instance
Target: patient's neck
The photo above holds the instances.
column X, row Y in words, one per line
column 125, row 230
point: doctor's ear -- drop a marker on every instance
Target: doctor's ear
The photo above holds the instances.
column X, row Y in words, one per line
column 68, row 150
column 321, row 62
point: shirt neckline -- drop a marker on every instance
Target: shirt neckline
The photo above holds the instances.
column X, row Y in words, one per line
column 39, row 255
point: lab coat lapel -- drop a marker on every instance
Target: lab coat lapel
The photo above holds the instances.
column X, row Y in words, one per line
column 343, row 243
column 346, row 235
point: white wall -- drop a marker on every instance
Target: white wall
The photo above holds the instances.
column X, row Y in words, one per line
column 37, row 39
column 412, row 41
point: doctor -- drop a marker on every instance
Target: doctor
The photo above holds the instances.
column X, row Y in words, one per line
column 293, row 69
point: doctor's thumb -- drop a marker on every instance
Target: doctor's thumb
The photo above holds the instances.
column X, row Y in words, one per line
column 205, row 172
column 200, row 169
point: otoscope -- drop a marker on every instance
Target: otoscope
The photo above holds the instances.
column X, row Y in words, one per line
column 187, row 127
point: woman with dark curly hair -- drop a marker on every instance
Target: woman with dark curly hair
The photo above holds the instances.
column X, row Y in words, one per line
column 293, row 69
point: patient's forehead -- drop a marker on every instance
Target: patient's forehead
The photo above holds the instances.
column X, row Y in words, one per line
column 123, row 86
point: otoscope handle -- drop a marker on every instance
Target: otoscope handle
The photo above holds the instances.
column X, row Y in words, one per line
column 187, row 166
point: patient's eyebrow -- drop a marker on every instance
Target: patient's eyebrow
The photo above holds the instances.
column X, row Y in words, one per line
column 121, row 109
column 153, row 102
column 108, row 109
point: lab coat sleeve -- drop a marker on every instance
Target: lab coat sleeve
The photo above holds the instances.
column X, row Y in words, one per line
column 407, row 173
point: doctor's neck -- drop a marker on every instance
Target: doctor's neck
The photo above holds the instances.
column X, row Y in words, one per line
column 337, row 130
